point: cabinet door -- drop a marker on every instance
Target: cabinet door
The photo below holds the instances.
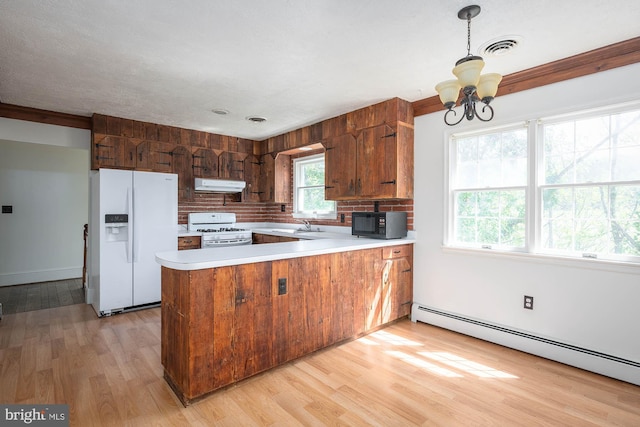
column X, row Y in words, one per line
column 373, row 292
column 253, row 320
column 204, row 163
column 252, row 169
column 281, row 179
column 112, row 152
column 377, row 162
column 181, row 165
column 189, row 242
column 266, row 184
column 160, row 156
column 142, row 156
column 231, row 165
column 397, row 289
column 340, row 167
column 275, row 178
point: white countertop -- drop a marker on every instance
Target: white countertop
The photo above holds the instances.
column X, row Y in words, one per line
column 185, row 233
column 198, row 259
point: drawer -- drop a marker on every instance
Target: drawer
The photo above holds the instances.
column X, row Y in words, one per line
column 400, row 251
column 188, row 242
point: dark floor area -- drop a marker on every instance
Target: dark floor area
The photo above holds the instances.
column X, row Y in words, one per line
column 37, row 296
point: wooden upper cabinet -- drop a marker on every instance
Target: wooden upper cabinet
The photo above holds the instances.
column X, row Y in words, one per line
column 378, row 164
column 204, row 163
column 275, row 178
column 340, row 167
column 231, row 165
column 112, row 152
column 154, row 156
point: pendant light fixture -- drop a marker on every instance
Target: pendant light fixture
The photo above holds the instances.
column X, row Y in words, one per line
column 475, row 87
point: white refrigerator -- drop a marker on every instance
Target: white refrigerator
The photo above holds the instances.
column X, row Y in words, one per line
column 133, row 215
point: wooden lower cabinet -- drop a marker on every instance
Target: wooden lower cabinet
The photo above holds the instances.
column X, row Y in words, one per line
column 224, row 324
column 259, row 238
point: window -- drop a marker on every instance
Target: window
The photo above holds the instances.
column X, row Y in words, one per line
column 566, row 186
column 489, row 188
column 308, row 194
column 590, row 186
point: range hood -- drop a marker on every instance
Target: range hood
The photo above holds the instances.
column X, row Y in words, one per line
column 213, row 185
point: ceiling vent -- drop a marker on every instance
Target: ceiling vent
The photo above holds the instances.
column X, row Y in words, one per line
column 501, row 46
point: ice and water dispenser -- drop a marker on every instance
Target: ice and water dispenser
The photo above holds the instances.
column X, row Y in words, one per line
column 117, row 227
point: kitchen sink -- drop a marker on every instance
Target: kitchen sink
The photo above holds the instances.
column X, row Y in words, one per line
column 284, row 230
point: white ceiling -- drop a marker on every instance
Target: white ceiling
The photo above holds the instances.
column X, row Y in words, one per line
column 294, row 62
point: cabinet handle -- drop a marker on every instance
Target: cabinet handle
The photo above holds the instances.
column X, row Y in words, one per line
column 328, row 186
column 164, row 163
column 391, row 135
column 130, row 156
column 408, row 270
column 389, row 182
column 397, row 252
column 98, row 145
column 140, row 157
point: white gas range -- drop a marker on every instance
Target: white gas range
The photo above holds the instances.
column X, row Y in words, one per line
column 218, row 229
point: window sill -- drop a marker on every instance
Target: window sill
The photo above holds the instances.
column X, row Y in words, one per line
column 593, row 264
column 300, row 215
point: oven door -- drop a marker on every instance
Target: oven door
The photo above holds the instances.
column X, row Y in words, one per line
column 220, row 243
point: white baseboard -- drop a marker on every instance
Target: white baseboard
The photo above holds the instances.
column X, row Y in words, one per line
column 40, row 276
column 600, row 363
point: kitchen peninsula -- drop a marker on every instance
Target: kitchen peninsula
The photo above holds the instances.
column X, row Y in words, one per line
column 230, row 313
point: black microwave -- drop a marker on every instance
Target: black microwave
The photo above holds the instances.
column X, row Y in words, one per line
column 379, row 225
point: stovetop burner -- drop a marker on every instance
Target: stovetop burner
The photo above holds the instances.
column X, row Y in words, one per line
column 219, row 230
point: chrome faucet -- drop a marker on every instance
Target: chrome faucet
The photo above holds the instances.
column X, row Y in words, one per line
column 307, row 225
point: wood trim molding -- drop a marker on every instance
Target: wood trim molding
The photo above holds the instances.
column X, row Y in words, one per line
column 11, row 111
column 594, row 61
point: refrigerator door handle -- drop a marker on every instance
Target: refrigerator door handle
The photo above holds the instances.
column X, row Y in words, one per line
column 130, row 227
column 136, row 234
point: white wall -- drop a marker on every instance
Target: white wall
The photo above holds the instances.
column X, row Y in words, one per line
column 44, row 176
column 594, row 308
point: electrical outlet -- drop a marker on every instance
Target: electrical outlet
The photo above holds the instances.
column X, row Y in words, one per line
column 7, row 209
column 528, row 302
column 283, row 208
column 282, row 286
column 341, row 217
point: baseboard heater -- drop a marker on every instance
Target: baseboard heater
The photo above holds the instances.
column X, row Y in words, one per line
column 595, row 361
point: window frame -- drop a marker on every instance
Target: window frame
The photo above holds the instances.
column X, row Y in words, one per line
column 450, row 205
column 297, row 213
column 533, row 193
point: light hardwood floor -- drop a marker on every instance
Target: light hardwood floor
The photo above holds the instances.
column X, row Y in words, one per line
column 108, row 370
